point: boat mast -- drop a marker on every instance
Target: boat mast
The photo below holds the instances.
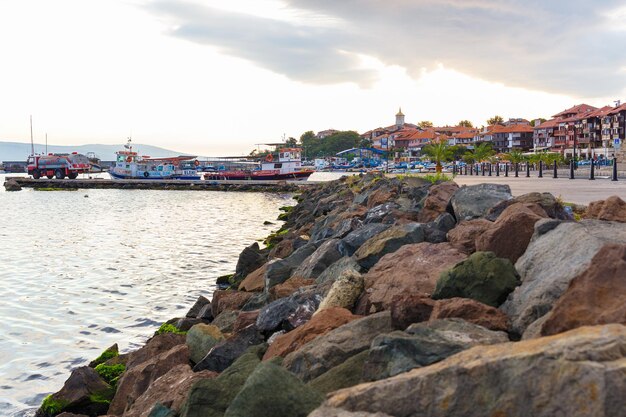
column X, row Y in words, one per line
column 32, row 145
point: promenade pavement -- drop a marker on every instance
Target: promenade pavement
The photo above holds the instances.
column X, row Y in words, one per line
column 578, row 191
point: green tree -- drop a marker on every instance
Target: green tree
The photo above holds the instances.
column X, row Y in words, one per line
column 365, row 143
column 439, row 151
column 540, row 120
column 495, row 120
column 291, row 142
column 330, row 145
column 466, row 123
column 425, row 124
column 515, row 156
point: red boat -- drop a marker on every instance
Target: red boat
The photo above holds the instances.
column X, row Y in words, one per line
column 287, row 167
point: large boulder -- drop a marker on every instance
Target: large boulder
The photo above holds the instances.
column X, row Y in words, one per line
column 289, row 287
column 509, row 236
column 250, row 259
column 327, row 351
column 471, row 311
column 170, row 390
column 289, row 312
column 272, row 391
column 222, row 355
column 197, row 307
column 225, row 322
column 279, row 270
column 12, row 185
column 436, row 231
column 423, row 344
column 576, row 374
column 344, row 375
column 321, row 323
column 136, row 380
column 550, row 205
column 437, row 201
column 200, row 339
column 409, row 308
column 611, row 209
column 596, row 296
column 255, row 280
column 211, row 397
column 345, row 291
column 78, row 394
column 463, row 236
column 338, row 268
column 413, row 268
column 551, row 261
column 482, row 277
column 387, row 242
column 318, row 261
column 154, row 347
column 358, row 237
column 474, row 201
column 228, row 300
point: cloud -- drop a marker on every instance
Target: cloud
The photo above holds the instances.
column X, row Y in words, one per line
column 560, row 46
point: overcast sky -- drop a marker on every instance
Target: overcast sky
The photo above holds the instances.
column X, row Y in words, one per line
column 216, row 77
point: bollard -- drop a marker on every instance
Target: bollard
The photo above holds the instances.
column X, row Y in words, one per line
column 614, row 169
column 482, row 168
column 540, row 169
column 454, row 169
column 490, row 169
column 477, row 170
column 498, row 169
column 472, row 170
column 571, row 169
column 591, row 172
column 556, row 174
column 516, row 169
column 527, row 170
column 506, row 170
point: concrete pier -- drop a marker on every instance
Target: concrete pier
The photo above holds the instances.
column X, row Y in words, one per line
column 201, row 185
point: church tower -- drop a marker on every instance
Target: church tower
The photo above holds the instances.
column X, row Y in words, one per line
column 399, row 118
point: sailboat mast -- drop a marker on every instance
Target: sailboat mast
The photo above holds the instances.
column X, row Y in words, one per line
column 32, row 145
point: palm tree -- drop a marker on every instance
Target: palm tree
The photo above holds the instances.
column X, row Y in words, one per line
column 440, row 151
column 515, row 156
column 483, row 152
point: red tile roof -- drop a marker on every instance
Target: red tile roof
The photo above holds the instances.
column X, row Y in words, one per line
column 581, row 108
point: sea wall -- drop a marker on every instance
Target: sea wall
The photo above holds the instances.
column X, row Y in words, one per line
column 393, row 297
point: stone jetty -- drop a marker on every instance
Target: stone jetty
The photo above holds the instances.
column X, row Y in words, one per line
column 394, row 297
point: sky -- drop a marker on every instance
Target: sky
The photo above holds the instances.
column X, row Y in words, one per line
column 213, row 77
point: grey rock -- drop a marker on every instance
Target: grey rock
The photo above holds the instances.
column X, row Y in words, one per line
column 436, row 231
column 225, row 321
column 12, row 185
column 335, row 270
column 222, row 355
column 319, row 260
column 474, row 201
column 200, row 339
column 327, row 351
column 286, row 313
column 257, row 301
column 194, row 311
column 579, row 373
column 358, row 237
column 551, row 261
column 279, row 270
column 387, row 242
column 379, row 213
column 423, row 344
column 250, row 259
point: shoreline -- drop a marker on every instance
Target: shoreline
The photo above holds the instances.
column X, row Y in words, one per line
column 363, row 266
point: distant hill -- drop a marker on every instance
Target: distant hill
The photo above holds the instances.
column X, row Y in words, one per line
column 18, row 151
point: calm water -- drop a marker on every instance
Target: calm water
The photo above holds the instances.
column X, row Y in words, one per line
column 82, row 270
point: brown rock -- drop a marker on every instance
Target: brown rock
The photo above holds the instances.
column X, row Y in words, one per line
column 228, row 300
column 134, row 382
column 407, row 309
column 244, row 319
column 170, row 390
column 379, row 197
column 612, row 209
column 471, row 311
column 437, row 200
column 463, row 236
column 254, row 281
column 509, row 236
column 321, row 323
column 413, row 268
column 289, row 287
column 283, row 249
column 154, row 347
column 596, row 296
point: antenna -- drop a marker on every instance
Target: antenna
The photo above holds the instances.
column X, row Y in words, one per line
column 46, row 143
column 32, row 145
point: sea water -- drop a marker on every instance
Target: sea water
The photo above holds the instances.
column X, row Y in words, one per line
column 81, row 270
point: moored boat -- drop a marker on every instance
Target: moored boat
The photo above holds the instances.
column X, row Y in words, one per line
column 130, row 165
column 287, row 166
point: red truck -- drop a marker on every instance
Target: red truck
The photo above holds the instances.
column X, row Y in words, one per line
column 58, row 165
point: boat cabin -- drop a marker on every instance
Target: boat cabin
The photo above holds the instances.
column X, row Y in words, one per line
column 289, row 160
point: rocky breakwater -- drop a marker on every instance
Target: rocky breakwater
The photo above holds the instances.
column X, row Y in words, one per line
column 393, row 297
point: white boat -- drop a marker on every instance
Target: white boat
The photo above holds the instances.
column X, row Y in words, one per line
column 130, row 165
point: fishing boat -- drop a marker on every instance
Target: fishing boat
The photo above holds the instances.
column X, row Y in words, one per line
column 287, row 166
column 130, row 165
